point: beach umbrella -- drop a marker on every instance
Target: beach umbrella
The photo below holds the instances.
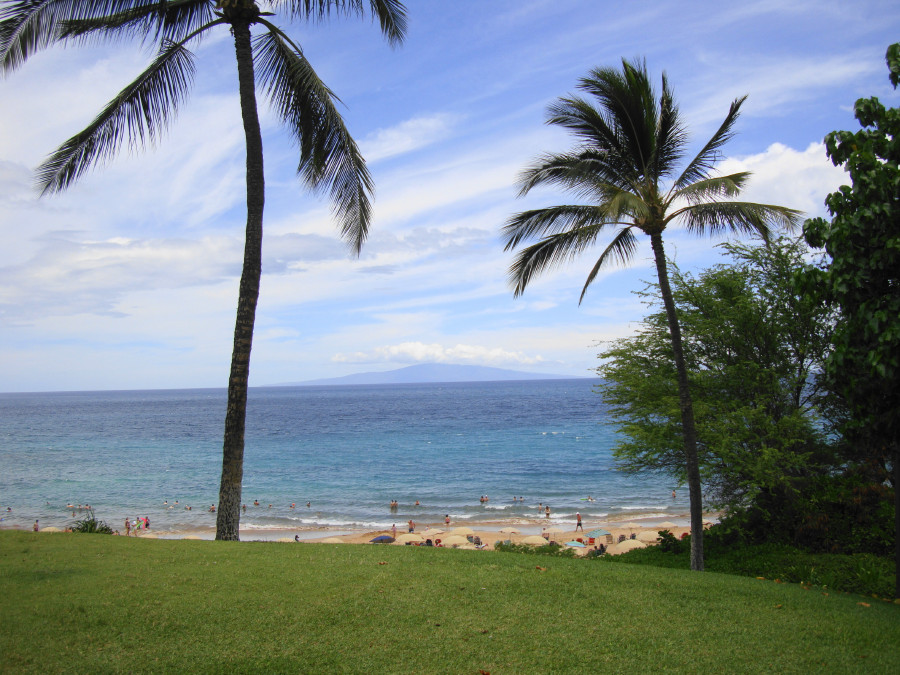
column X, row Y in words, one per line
column 575, row 544
column 409, row 537
column 455, row 540
column 629, row 526
column 464, row 531
column 553, row 530
column 534, row 540
column 625, row 546
column 432, row 532
column 648, row 536
column 666, row 525
column 51, row 529
column 509, row 530
column 382, row 539
column 599, row 532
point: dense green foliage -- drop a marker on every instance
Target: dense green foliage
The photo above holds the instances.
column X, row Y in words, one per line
column 216, row 607
column 862, row 573
column 629, row 166
column 753, row 349
column 862, row 278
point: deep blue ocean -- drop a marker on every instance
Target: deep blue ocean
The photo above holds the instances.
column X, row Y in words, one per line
column 347, row 450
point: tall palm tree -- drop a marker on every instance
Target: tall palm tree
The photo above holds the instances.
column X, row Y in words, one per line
column 630, row 145
column 329, row 157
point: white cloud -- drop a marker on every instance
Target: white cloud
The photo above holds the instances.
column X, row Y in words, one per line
column 418, row 352
column 799, row 179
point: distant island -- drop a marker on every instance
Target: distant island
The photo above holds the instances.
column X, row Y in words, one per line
column 427, row 373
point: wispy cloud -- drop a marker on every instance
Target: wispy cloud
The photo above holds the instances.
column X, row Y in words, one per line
column 408, row 136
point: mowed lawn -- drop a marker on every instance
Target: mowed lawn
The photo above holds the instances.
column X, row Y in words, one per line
column 96, row 604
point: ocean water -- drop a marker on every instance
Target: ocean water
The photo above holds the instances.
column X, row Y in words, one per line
column 347, row 450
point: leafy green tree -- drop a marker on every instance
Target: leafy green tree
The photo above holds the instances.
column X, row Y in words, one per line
column 863, row 280
column 754, row 348
column 329, row 157
column 630, row 145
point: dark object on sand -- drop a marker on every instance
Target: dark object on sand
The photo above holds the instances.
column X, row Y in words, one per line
column 382, row 539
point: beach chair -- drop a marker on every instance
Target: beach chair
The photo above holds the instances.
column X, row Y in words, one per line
column 622, row 538
column 609, row 540
column 591, row 541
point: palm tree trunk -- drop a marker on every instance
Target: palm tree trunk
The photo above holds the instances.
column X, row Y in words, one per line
column 229, row 513
column 688, row 427
column 896, row 461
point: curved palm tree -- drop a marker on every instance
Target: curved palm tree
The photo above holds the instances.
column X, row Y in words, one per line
column 329, row 157
column 630, row 145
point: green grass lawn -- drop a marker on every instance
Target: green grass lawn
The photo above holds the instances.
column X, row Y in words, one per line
column 97, row 604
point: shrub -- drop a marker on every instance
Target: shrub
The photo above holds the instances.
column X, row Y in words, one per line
column 668, row 542
column 552, row 549
column 91, row 525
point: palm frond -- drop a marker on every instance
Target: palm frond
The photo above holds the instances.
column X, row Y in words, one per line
column 391, row 14
column 742, row 217
column 588, row 124
column 671, row 136
column 329, row 157
column 620, row 249
column 151, row 21
column 627, row 98
column 548, row 253
column 583, row 172
column 551, row 221
column 27, row 26
column 699, row 167
column 712, row 188
column 139, row 113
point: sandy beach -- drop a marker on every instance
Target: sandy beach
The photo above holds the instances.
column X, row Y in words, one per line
column 462, row 535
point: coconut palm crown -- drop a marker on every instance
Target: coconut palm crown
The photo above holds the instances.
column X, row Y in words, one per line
column 627, row 167
column 266, row 57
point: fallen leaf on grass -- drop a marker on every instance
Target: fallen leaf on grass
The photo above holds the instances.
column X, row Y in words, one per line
column 778, row 606
column 539, row 568
column 383, row 562
column 864, row 604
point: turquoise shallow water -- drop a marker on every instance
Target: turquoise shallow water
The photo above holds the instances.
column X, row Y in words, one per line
column 348, row 450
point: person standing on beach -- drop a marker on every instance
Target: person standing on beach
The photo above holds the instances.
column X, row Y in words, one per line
column 547, row 510
column 127, row 527
column 35, row 527
column 394, row 530
column 447, row 520
column 412, row 525
column 578, row 525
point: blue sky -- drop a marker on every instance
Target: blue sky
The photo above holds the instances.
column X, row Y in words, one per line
column 129, row 279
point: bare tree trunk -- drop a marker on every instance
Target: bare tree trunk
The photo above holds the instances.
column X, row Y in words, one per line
column 689, row 430
column 229, row 513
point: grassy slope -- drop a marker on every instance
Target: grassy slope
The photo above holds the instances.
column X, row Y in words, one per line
column 92, row 603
